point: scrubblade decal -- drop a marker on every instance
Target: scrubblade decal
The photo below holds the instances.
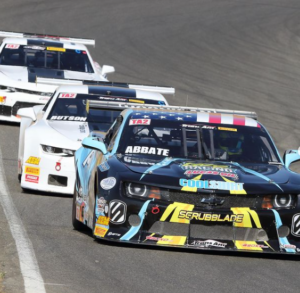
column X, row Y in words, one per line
column 210, row 217
column 219, row 185
column 147, row 150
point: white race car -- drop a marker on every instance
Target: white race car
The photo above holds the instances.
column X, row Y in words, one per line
column 51, row 133
column 26, row 56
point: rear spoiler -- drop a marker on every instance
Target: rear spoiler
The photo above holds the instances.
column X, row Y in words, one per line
column 149, row 88
column 92, row 104
column 5, row 34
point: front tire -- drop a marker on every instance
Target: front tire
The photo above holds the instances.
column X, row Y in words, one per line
column 76, row 224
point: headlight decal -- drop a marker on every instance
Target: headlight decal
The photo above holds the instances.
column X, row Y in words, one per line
column 133, row 230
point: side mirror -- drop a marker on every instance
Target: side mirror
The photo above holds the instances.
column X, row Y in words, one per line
column 107, row 69
column 27, row 113
column 291, row 156
column 93, row 143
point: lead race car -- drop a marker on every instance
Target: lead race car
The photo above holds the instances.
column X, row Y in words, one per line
column 190, row 178
column 26, row 56
column 50, row 134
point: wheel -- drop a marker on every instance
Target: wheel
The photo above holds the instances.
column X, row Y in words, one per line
column 76, row 224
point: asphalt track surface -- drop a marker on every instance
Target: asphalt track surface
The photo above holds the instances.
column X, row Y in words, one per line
column 225, row 54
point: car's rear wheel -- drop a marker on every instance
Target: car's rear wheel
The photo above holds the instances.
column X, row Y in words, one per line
column 76, row 224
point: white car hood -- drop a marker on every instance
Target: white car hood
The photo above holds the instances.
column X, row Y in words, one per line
column 73, row 130
column 18, row 73
column 25, row 74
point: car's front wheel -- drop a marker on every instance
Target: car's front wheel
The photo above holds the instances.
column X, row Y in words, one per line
column 76, row 224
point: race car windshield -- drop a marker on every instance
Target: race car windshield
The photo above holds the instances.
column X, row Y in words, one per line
column 73, row 108
column 46, row 57
column 215, row 142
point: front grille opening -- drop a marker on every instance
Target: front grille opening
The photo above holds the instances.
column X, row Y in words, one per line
column 225, row 201
column 5, row 110
column 58, row 180
column 217, row 232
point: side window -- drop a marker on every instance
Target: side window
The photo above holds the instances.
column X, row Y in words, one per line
column 113, row 133
column 48, row 103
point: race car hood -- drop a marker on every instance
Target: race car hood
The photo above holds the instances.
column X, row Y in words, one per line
column 73, row 130
column 29, row 74
column 255, row 177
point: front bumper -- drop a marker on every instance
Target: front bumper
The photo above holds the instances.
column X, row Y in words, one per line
column 15, row 101
column 52, row 174
column 186, row 226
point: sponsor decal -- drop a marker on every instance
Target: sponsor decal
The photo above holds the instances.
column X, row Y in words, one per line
column 100, row 231
column 208, row 127
column 34, row 47
column 190, row 126
column 158, row 239
column 12, row 46
column 207, row 167
column 211, row 184
column 67, row 95
column 31, row 178
column 2, row 100
column 147, row 150
column 289, row 246
column 198, row 172
column 32, row 170
column 113, row 234
column 113, row 99
column 69, row 118
column 138, row 161
column 238, row 218
column 139, row 121
column 88, row 159
column 104, row 167
column 254, row 245
column 56, row 49
column 78, row 212
column 207, row 243
column 103, row 220
column 58, row 166
column 117, row 212
column 33, row 161
column 296, row 225
column 155, row 210
column 101, row 203
column 136, row 101
column 82, row 128
column 108, row 183
column 227, row 129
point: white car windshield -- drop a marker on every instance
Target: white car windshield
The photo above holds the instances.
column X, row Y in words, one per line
column 36, row 56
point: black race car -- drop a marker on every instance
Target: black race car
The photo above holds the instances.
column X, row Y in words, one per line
column 191, row 178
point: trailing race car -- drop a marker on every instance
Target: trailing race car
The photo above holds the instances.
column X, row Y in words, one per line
column 24, row 56
column 50, row 134
column 190, row 178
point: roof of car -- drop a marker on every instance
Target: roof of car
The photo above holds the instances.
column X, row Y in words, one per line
column 192, row 116
column 110, row 91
